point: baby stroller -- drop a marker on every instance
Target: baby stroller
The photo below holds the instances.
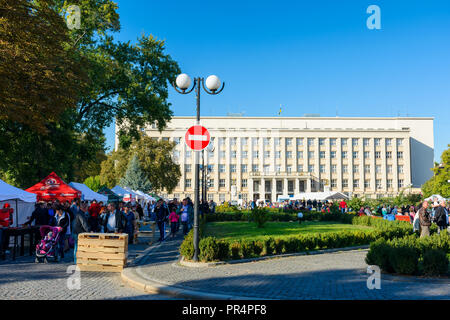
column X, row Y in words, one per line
column 48, row 247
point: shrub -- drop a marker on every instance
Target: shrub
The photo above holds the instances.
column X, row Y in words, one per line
column 235, row 250
column 260, row 216
column 279, row 246
column 248, row 248
column 187, row 246
column 223, row 250
column 269, row 246
column 379, row 254
column 259, row 247
column 404, row 259
column 209, row 249
column 435, row 262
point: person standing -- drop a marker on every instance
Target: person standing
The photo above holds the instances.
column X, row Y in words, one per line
column 343, row 206
column 63, row 221
column 80, row 225
column 173, row 218
column 424, row 220
column 161, row 217
column 441, row 216
column 129, row 229
column 114, row 221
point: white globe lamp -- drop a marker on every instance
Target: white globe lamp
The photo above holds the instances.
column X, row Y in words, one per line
column 213, row 83
column 183, row 81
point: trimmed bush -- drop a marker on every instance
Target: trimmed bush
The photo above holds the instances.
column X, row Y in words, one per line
column 223, row 250
column 379, row 254
column 404, row 260
column 260, row 216
column 269, row 247
column 187, row 246
column 435, row 262
column 209, row 249
column 235, row 250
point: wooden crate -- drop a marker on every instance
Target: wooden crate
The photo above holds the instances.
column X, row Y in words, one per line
column 104, row 252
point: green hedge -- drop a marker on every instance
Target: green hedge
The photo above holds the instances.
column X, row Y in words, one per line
column 411, row 255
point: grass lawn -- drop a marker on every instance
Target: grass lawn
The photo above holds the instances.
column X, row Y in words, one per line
column 234, row 230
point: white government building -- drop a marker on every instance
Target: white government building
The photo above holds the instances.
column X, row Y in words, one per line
column 267, row 157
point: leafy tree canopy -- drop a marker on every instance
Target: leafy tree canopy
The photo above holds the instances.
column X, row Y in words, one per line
column 135, row 178
column 439, row 182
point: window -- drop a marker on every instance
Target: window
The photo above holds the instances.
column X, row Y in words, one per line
column 176, row 154
column 377, row 142
column 333, row 168
column 400, row 183
column 388, row 154
column 210, row 196
column 187, row 183
column 378, row 169
column 400, row 154
column 310, row 141
column 244, row 154
column 277, row 154
column 221, row 197
column 255, row 168
column 232, row 168
column 322, row 154
column 354, row 142
column 333, row 141
column 300, row 154
column 399, row 142
column 289, row 169
column 289, row 155
column 266, row 168
column 378, row 184
column 177, row 140
column 288, row 142
column 333, row 155
column 311, row 168
column 187, row 168
column 222, row 154
column 188, row 154
column 343, row 142
column 400, row 169
column 367, row 168
column 233, row 182
column 255, row 141
column 233, row 154
column 221, row 168
column 378, row 154
column 266, row 141
column 211, row 168
column 345, row 168
column 355, row 154
column 356, row 183
column 311, row 154
column 388, row 142
column 276, row 141
column 300, row 168
column 266, row 154
column 389, row 169
column 210, row 155
column 333, row 183
column 366, row 142
column 222, row 141
column 389, row 183
column 321, row 142
column 322, row 168
column 256, row 154
column 211, row 183
column 221, row 183
column 244, row 141
column 366, row 154
column 299, row 141
column 278, row 168
column 344, row 183
column 355, row 168
column 344, row 154
column 366, row 184
column 244, row 183
column 243, row 167
column 233, row 141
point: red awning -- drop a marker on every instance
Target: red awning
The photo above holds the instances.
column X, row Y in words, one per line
column 52, row 188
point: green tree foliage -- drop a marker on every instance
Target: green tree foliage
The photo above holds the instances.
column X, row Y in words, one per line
column 438, row 184
column 135, row 178
column 155, row 159
column 93, row 183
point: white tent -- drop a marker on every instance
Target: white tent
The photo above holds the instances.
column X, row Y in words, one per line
column 435, row 197
column 319, row 195
column 87, row 193
column 123, row 192
column 21, row 201
column 146, row 196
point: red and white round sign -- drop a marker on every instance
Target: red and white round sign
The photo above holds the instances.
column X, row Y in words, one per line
column 197, row 138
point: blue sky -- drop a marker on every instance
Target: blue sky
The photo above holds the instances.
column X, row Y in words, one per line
column 309, row 56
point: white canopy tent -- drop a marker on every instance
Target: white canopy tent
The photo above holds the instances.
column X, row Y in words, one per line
column 87, row 193
column 146, row 196
column 123, row 192
column 21, row 201
column 435, row 197
column 326, row 195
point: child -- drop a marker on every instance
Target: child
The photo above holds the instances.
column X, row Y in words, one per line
column 173, row 218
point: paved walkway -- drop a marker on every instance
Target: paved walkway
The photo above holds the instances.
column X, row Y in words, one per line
column 24, row 279
column 340, row 275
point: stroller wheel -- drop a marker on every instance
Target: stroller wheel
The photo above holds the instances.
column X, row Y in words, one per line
column 45, row 260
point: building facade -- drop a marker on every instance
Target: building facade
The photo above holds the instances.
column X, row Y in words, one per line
column 266, row 157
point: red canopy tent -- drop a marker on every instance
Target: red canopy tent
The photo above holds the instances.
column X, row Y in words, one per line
column 52, row 188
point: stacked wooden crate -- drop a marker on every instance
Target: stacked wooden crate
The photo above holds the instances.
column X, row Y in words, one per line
column 105, row 252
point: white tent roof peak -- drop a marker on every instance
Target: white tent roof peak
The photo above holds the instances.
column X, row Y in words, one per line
column 87, row 193
column 8, row 192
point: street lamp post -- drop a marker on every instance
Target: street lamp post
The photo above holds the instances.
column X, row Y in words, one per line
column 212, row 86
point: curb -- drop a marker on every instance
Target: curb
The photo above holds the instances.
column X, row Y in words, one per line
column 192, row 264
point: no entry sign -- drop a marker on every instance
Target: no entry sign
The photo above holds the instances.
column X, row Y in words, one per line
column 197, row 138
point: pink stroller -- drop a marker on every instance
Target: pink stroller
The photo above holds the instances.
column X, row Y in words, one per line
column 48, row 247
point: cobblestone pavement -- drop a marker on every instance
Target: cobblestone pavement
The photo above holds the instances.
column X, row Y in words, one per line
column 340, row 275
column 24, row 279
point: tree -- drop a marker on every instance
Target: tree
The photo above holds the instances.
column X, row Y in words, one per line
column 135, row 178
column 439, row 182
column 93, row 183
column 155, row 159
column 39, row 77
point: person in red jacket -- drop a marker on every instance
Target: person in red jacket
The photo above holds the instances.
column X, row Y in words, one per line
column 94, row 212
column 6, row 220
column 343, row 206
